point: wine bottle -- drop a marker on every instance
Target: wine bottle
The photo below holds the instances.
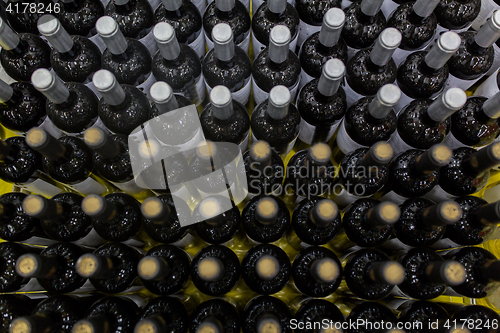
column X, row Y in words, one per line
column 79, row 17
column 269, row 15
column 315, row 221
column 371, row 312
column 162, row 314
column 467, row 173
column 321, row 104
column 423, row 223
column 162, row 223
column 474, row 312
column 475, row 48
column 482, row 272
column 127, row 58
column 66, row 160
column 24, row 20
column 116, row 217
column 22, row 54
column 218, row 223
column 368, row 121
column 112, row 313
column 22, row 166
column 370, row 274
column 215, row 315
column 424, row 313
column 415, row 172
column 15, row 224
column 23, row 107
column 424, row 74
column 111, row 268
column 266, row 269
column 11, row 281
column 164, row 270
column 266, row 313
column 476, row 124
column 322, row 46
column 417, row 24
column 366, row 223
column 265, row 219
column 316, row 271
column 363, row 24
column 456, row 15
column 186, row 19
column 54, row 314
column 364, row 172
column 15, row 306
column 54, row 268
column 215, row 270
column 311, row 15
column 478, row 222
column 311, row 172
column 135, row 19
column 311, row 312
column 227, row 64
column 73, row 58
column 233, row 13
column 276, row 121
column 122, row 108
column 62, row 218
column 225, row 119
column 111, row 160
column 276, row 65
column 264, row 169
column 427, row 274
column 425, row 122
column 72, row 106
column 177, row 64
column 369, row 69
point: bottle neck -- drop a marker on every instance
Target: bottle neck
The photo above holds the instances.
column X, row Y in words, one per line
column 109, row 148
column 485, row 159
column 223, row 112
column 385, row 272
column 488, row 215
column 37, row 266
column 54, row 150
column 449, row 273
column 490, row 271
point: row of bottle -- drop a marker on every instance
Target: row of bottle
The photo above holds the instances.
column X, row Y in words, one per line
column 75, row 59
column 180, row 314
column 215, row 270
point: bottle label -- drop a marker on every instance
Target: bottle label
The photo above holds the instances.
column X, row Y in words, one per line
column 49, row 126
column 241, row 95
column 395, row 244
column 397, row 143
column 38, row 241
column 304, row 79
column 487, row 9
column 258, row 47
column 396, row 304
column 287, row 150
column 201, row 5
column 444, row 243
column 146, row 85
column 185, row 241
column 130, row 187
column 351, row 96
column 97, row 40
column 344, row 141
column 452, row 142
column 244, row 44
column 489, row 87
column 256, row 4
column 437, row 194
column 134, row 242
column 306, row 30
column 246, row 3
column 388, row 6
column 306, row 133
column 455, row 82
column 91, row 240
column 138, row 300
column 260, row 95
column 393, row 197
column 89, row 186
column 244, row 144
column 40, row 186
column 198, row 45
column 31, row 286
column 345, row 198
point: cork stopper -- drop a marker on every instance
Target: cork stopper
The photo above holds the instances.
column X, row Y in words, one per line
column 324, row 213
column 210, row 269
column 50, row 27
column 266, row 210
column 108, row 86
column 278, row 102
column 279, row 39
column 110, row 33
column 325, row 270
column 168, row 45
column 267, row 267
column 50, row 85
